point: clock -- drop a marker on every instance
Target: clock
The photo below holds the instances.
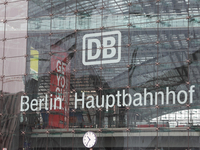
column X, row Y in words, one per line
column 89, row 139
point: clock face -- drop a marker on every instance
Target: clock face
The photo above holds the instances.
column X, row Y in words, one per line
column 89, row 139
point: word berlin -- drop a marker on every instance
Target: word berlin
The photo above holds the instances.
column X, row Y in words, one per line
column 108, row 101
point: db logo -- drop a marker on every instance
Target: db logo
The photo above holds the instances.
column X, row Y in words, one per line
column 95, row 53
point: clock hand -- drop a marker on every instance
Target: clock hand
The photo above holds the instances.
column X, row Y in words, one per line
column 88, row 141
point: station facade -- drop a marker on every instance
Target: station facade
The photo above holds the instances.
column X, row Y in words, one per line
column 127, row 70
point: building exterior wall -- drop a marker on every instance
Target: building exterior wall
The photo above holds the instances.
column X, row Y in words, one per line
column 126, row 70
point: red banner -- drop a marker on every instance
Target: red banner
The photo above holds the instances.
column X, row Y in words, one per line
column 60, row 88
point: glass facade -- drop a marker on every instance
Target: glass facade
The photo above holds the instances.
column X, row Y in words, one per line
column 127, row 70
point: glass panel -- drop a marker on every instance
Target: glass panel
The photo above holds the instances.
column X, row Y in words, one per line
column 13, row 84
column 14, row 10
column 15, row 47
column 38, row 63
column 35, row 24
column 16, row 29
column 14, row 66
column 38, row 8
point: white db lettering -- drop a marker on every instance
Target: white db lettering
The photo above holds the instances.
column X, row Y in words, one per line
column 110, row 52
